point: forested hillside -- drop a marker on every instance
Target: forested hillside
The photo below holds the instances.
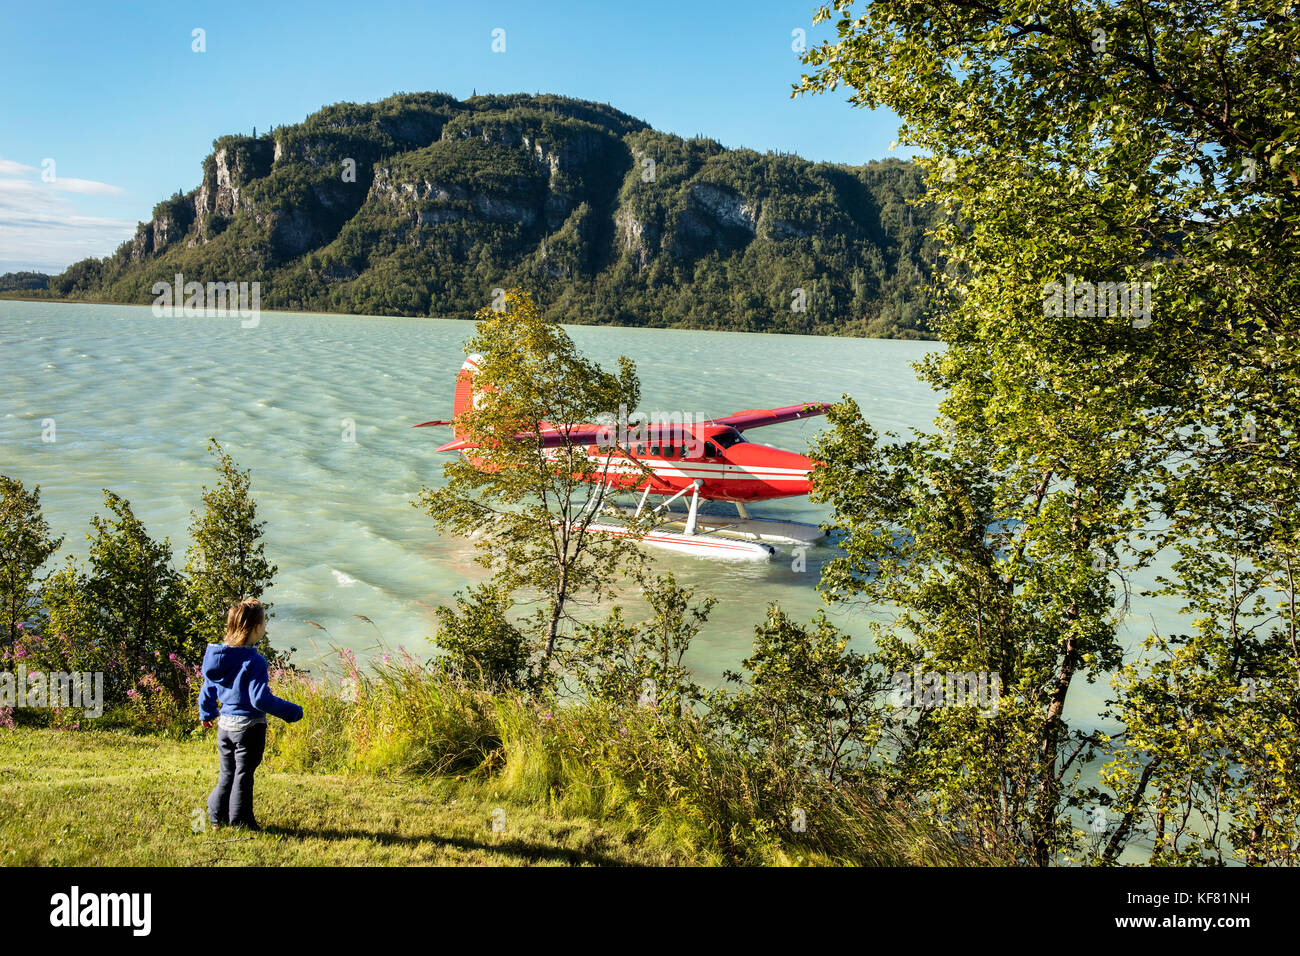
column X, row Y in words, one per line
column 423, row 204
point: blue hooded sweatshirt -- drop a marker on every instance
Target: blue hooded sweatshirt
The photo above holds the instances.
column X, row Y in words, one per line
column 237, row 677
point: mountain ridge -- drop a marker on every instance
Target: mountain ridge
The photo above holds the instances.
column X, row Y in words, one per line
column 422, row 204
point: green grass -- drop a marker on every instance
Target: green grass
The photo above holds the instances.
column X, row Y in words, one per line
column 687, row 791
column 96, row 798
column 411, row 767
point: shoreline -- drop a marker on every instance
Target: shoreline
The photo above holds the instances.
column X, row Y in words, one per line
column 11, row 297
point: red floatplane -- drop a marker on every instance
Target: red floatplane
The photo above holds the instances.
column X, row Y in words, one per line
column 709, row 460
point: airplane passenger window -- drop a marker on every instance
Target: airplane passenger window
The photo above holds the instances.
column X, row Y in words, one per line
column 654, row 451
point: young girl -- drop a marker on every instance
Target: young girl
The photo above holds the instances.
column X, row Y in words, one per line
column 235, row 674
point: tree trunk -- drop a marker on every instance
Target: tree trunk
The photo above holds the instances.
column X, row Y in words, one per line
column 1121, row 833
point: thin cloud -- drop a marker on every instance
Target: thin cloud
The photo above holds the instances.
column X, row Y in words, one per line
column 86, row 187
column 42, row 229
column 67, row 184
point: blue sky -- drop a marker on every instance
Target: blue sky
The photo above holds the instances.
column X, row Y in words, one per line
column 117, row 98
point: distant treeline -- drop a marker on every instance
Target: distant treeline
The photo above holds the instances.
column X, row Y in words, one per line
column 24, row 281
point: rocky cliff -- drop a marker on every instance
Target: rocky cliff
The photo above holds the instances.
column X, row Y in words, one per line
column 422, row 204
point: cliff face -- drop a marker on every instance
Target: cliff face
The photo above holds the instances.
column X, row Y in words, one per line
column 422, row 204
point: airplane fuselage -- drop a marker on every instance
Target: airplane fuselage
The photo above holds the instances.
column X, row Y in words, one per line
column 728, row 467
column 664, row 459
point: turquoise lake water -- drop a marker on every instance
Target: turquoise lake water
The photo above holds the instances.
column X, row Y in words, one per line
column 134, row 398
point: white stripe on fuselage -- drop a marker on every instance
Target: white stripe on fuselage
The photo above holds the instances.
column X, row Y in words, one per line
column 713, row 471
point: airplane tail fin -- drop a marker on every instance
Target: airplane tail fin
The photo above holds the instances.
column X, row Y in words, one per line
column 464, row 399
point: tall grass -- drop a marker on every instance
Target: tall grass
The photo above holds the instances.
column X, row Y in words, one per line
column 674, row 779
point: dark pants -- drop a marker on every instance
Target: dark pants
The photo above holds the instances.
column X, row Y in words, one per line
column 239, row 752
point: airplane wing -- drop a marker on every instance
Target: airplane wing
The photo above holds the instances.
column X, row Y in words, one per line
column 757, row 417
column 589, row 434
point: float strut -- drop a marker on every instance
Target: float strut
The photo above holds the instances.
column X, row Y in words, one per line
column 695, row 507
column 593, row 503
column 660, row 507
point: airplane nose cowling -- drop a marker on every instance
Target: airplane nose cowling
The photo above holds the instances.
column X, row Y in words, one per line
column 782, row 473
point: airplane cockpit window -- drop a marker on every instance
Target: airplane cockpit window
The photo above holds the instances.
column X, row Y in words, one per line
column 728, row 438
column 710, row 450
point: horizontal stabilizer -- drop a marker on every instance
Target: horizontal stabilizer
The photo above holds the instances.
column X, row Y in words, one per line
column 547, row 438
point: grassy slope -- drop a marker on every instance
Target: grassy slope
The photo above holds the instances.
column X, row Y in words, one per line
column 106, row 798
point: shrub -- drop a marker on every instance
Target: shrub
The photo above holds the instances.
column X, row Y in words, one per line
column 169, row 709
column 121, row 612
column 25, row 545
column 479, row 641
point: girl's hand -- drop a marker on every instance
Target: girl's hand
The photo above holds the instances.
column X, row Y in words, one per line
column 206, row 724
